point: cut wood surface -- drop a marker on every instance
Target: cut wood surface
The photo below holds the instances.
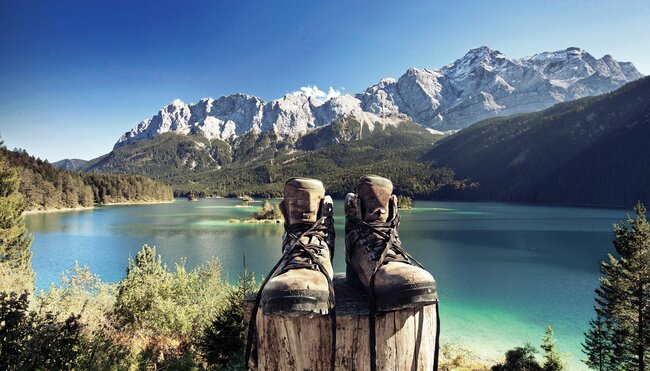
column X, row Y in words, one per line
column 405, row 338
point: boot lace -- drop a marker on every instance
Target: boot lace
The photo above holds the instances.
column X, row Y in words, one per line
column 382, row 244
column 305, row 255
column 297, row 255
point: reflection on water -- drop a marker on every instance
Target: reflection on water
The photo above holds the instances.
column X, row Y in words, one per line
column 504, row 271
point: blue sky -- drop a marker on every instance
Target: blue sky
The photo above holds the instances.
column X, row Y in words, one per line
column 75, row 75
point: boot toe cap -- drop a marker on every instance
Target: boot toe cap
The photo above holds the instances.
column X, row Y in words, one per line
column 298, row 280
column 401, row 274
column 400, row 285
column 296, row 292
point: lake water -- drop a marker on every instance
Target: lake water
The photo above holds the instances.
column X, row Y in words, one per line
column 504, row 271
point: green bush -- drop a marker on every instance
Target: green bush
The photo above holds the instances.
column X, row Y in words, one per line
column 161, row 311
column 519, row 359
column 154, row 318
column 16, row 278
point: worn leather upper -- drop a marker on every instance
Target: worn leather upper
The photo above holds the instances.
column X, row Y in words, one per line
column 374, row 204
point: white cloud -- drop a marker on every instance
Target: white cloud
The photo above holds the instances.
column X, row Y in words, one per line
column 333, row 93
column 314, row 92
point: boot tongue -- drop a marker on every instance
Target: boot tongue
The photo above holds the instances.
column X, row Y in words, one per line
column 374, row 192
column 302, row 197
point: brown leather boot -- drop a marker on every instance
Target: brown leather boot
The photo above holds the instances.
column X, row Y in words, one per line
column 376, row 261
column 301, row 282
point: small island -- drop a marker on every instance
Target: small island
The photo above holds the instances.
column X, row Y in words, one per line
column 268, row 213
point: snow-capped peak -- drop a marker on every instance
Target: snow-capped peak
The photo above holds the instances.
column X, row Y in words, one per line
column 482, row 83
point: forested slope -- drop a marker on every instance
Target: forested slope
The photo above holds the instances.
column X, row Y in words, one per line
column 259, row 163
column 589, row 151
column 46, row 187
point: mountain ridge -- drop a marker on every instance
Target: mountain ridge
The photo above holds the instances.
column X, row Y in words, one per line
column 483, row 83
column 588, row 151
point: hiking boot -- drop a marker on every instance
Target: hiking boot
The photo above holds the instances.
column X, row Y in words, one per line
column 301, row 282
column 376, row 261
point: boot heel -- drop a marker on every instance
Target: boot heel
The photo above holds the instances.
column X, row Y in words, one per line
column 353, row 278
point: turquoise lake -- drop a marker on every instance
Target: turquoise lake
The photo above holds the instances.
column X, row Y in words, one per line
column 504, row 272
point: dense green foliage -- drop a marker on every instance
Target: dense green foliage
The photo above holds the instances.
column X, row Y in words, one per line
column 14, row 240
column 223, row 342
column 619, row 336
column 29, row 338
column 160, row 312
column 32, row 340
column 161, row 157
column 587, row 151
column 154, row 318
column 259, row 163
column 390, row 153
column 46, row 187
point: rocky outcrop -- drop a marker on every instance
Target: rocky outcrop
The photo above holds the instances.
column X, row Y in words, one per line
column 484, row 83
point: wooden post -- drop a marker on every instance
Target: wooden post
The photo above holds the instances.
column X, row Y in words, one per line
column 405, row 338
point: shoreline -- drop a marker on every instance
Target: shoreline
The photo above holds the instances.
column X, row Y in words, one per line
column 255, row 221
column 95, row 206
column 127, row 203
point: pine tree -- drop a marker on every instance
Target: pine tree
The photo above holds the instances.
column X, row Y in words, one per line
column 619, row 337
column 222, row 343
column 552, row 360
column 14, row 240
column 598, row 345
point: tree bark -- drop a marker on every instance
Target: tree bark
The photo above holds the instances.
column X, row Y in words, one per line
column 406, row 339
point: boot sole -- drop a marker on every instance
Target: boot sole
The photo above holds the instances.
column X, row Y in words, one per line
column 295, row 303
column 397, row 297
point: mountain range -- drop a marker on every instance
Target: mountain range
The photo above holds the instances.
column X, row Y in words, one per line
column 483, row 83
column 575, row 152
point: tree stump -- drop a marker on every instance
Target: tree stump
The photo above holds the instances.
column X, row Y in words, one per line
column 406, row 339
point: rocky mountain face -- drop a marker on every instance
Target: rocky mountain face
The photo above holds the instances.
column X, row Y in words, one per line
column 484, row 83
column 230, row 117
